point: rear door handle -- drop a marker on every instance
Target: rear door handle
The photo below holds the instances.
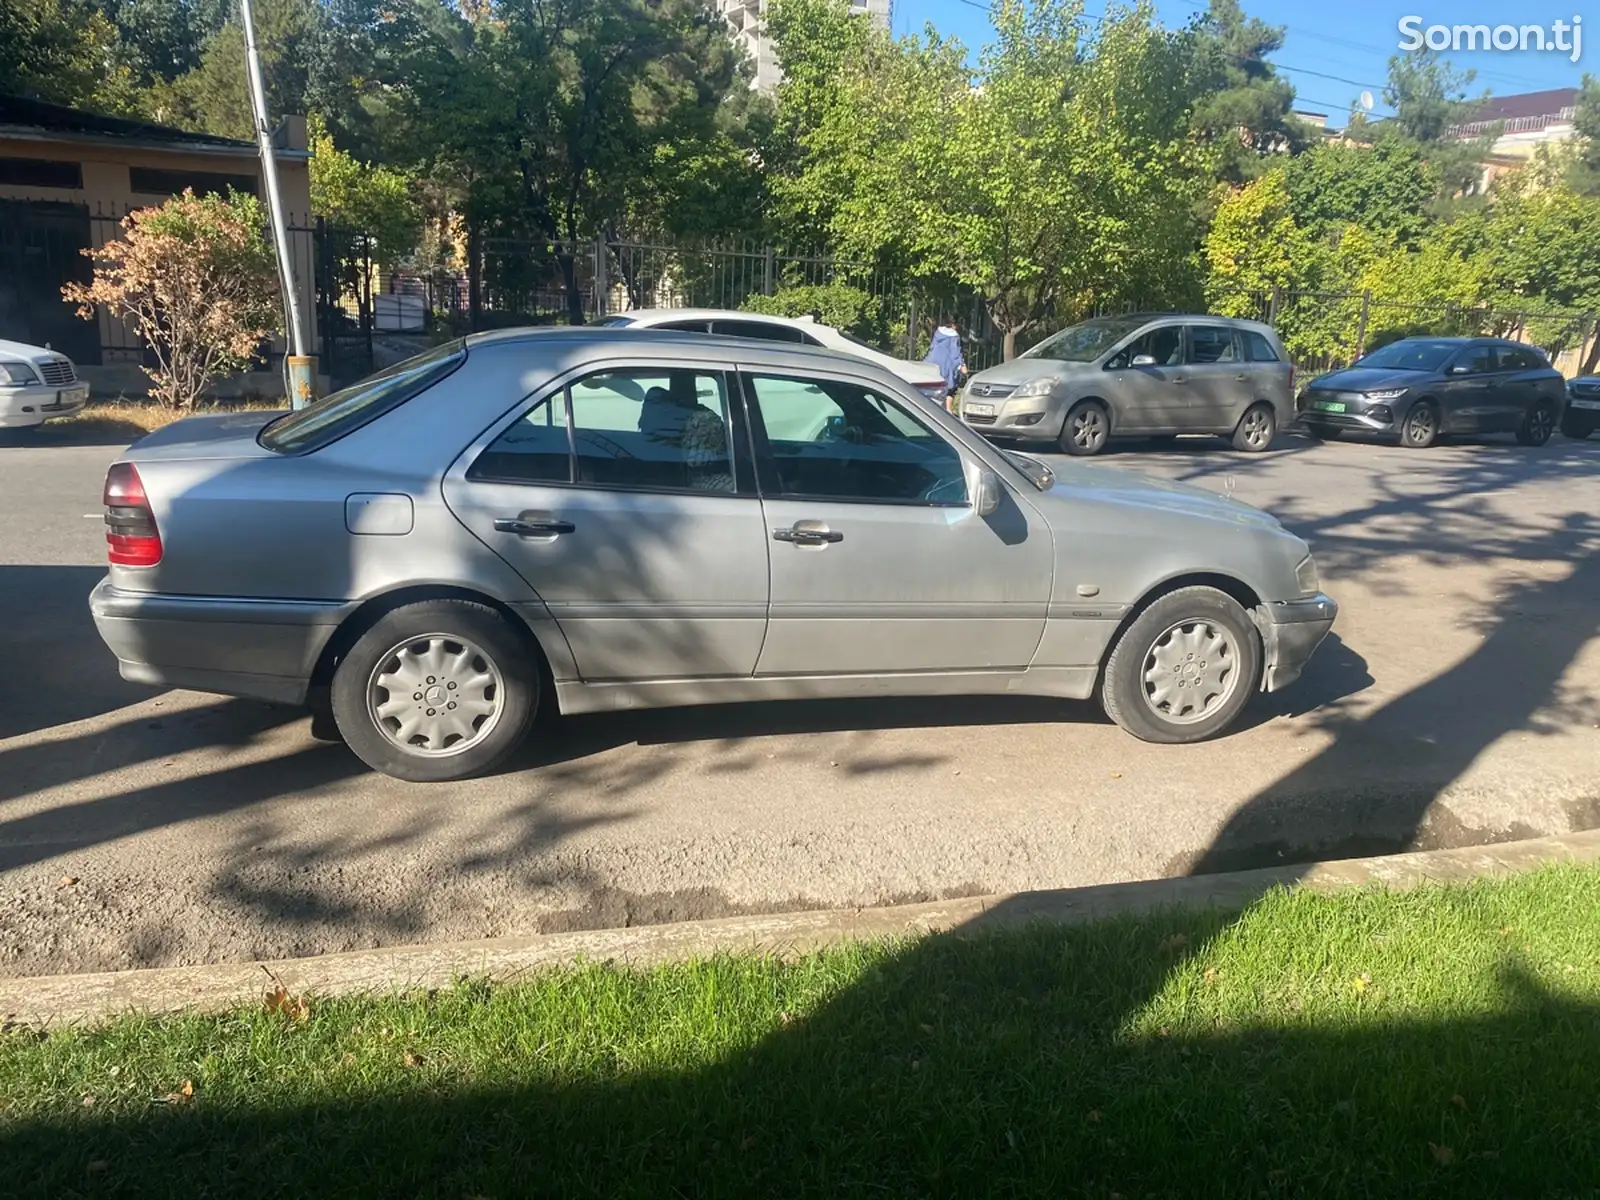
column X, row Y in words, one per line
column 532, row 528
column 808, row 534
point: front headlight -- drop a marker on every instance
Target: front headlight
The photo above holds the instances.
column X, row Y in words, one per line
column 1041, row 386
column 1306, row 575
column 18, row 372
column 1386, row 394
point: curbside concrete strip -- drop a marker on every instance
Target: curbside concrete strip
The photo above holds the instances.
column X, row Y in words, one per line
column 57, row 999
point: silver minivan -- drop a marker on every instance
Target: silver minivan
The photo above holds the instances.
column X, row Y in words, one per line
column 1139, row 375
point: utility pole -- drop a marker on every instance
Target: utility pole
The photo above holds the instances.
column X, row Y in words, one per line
column 301, row 362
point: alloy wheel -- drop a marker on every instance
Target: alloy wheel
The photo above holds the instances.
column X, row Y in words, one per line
column 1089, row 429
column 435, row 695
column 1190, row 671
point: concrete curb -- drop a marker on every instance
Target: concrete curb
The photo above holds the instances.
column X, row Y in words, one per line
column 56, row 999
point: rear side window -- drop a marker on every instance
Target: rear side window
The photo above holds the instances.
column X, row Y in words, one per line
column 1521, row 358
column 349, row 409
column 1257, row 348
column 759, row 330
column 1211, row 344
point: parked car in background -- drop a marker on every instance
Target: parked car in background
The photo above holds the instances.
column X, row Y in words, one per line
column 37, row 384
column 1582, row 414
column 797, row 331
column 1420, row 389
column 1141, row 375
column 593, row 519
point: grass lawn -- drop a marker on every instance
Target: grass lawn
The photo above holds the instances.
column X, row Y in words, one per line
column 1444, row 1042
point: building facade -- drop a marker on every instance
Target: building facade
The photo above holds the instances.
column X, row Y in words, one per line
column 747, row 18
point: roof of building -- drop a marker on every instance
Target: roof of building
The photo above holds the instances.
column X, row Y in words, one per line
column 22, row 117
column 1548, row 103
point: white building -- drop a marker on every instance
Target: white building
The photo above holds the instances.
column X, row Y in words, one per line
column 750, row 31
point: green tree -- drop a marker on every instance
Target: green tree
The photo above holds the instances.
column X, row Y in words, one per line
column 379, row 201
column 1061, row 177
column 65, row 52
column 1386, row 187
column 1242, row 104
column 1430, row 102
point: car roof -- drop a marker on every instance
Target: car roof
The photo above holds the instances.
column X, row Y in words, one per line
column 695, row 344
column 706, row 314
column 1141, row 318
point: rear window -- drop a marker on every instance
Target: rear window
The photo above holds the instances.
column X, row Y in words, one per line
column 344, row 411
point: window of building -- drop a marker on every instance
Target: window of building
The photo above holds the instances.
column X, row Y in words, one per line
column 155, row 182
column 41, row 172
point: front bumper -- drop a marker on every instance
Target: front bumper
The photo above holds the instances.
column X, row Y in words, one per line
column 1374, row 416
column 1291, row 631
column 1030, row 419
column 262, row 649
column 37, row 403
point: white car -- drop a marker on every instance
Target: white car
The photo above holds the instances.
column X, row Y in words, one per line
column 37, row 384
column 803, row 331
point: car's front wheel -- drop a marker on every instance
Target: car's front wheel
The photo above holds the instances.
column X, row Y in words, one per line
column 1086, row 429
column 1184, row 669
column 1420, row 429
column 436, row 690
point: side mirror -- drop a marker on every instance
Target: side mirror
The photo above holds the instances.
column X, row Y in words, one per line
column 986, row 496
column 1144, row 360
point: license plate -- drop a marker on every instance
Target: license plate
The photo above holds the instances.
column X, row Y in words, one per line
column 1328, row 405
column 1583, row 403
column 979, row 410
column 68, row 397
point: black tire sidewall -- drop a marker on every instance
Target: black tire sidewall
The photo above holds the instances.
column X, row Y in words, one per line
column 1122, row 686
column 1068, row 445
column 1405, row 425
column 477, row 623
column 1239, row 442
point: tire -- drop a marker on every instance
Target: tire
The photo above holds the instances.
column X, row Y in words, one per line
column 1576, row 427
column 1537, row 425
column 1086, row 429
column 446, row 647
column 1420, row 429
column 1257, row 429
column 1323, row 433
column 1215, row 623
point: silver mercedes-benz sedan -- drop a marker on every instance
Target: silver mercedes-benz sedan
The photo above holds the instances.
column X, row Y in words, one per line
column 603, row 519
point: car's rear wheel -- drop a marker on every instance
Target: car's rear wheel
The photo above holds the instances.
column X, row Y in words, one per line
column 437, row 690
column 1420, row 429
column 1086, row 429
column 1185, row 669
column 1537, row 425
column 1256, row 430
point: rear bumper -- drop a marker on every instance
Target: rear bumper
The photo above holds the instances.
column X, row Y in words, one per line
column 261, row 649
column 1290, row 633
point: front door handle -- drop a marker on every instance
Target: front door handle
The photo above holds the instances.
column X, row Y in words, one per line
column 808, row 533
column 524, row 527
column 1180, row 379
column 1242, row 377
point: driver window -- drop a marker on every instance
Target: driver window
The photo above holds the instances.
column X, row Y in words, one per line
column 832, row 440
column 1165, row 345
column 1479, row 360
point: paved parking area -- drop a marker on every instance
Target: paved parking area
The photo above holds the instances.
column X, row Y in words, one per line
column 1458, row 702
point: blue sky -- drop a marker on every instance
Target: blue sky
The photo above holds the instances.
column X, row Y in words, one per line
column 1336, row 49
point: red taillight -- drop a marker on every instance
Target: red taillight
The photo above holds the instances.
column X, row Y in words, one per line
column 132, row 539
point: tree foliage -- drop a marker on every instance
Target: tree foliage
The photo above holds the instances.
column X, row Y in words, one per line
column 379, row 201
column 65, row 52
column 1242, row 104
column 197, row 279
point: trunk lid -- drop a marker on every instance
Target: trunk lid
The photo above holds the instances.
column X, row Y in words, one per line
column 219, row 435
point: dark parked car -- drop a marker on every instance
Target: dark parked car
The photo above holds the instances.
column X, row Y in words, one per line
column 1421, row 388
column 1583, row 407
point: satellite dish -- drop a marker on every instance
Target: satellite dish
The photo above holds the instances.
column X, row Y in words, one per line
column 1366, row 101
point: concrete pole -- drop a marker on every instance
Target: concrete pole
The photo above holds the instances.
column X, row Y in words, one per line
column 301, row 362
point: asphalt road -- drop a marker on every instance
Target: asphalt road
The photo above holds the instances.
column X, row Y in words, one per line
column 1457, row 703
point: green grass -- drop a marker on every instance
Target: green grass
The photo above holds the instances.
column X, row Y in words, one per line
column 1444, row 1042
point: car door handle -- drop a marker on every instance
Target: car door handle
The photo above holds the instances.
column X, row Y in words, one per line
column 526, row 528
column 1242, row 377
column 808, row 534
column 1180, row 378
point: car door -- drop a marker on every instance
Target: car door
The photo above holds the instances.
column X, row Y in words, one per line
column 1517, row 385
column 1467, row 393
column 1149, row 396
column 880, row 564
column 623, row 498
column 1219, row 383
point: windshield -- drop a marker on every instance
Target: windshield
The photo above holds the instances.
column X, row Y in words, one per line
column 1034, row 471
column 1412, row 354
column 336, row 415
column 1083, row 343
